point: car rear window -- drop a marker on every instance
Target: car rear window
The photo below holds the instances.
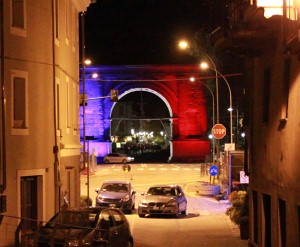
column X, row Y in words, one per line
column 72, row 219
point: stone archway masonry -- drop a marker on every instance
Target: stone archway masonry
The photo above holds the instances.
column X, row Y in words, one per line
column 185, row 101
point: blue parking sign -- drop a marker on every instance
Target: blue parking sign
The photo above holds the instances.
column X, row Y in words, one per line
column 213, row 170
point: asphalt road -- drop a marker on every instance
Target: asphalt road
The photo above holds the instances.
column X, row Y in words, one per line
column 205, row 223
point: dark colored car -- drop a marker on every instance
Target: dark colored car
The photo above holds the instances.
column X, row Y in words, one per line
column 163, row 199
column 117, row 194
column 117, row 158
column 85, row 227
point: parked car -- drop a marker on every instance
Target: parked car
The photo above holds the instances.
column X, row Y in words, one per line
column 117, row 158
column 118, row 194
column 163, row 199
column 85, row 227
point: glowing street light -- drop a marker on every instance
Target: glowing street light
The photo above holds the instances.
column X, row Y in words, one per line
column 204, row 65
column 184, row 45
column 192, row 79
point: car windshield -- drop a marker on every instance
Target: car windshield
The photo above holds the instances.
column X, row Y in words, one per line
column 73, row 219
column 115, row 187
column 163, row 191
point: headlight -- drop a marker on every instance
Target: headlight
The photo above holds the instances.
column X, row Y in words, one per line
column 125, row 199
column 100, row 197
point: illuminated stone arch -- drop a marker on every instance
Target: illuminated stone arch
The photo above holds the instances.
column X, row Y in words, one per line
column 185, row 102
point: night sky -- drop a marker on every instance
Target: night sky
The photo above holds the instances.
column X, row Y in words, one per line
column 144, row 32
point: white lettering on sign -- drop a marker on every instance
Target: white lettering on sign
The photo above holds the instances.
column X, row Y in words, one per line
column 218, row 131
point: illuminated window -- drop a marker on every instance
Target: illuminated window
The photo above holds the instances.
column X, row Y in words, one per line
column 19, row 103
column 275, row 7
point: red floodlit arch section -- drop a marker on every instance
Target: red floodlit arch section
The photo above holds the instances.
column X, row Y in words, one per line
column 184, row 99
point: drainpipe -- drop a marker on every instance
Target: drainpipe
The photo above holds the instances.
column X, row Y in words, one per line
column 2, row 151
column 55, row 147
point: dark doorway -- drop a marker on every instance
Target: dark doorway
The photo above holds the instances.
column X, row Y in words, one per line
column 29, row 207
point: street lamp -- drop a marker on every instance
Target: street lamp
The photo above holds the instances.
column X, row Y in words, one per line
column 184, row 45
column 213, row 103
column 204, row 65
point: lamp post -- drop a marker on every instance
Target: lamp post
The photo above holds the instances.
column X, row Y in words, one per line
column 230, row 109
column 213, row 103
column 84, row 63
column 184, row 45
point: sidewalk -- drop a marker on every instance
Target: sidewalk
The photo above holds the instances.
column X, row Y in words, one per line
column 210, row 206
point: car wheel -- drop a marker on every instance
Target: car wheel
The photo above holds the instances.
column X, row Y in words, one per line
column 124, row 161
column 142, row 215
column 106, row 161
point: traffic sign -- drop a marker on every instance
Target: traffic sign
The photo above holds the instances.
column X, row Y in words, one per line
column 213, row 170
column 126, row 168
column 229, row 147
column 218, row 131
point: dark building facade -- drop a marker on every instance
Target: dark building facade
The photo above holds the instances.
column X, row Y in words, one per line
column 267, row 38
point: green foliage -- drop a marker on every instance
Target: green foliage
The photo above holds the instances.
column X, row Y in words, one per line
column 239, row 206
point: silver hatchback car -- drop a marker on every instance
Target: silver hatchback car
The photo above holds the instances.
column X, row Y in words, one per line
column 163, row 199
column 117, row 194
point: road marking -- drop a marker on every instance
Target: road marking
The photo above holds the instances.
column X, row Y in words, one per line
column 175, row 166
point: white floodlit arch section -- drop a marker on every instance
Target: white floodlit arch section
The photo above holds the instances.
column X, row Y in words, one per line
column 150, row 91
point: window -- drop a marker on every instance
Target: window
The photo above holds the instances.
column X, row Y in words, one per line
column 57, row 107
column 286, row 88
column 67, row 21
column 56, row 22
column 119, row 218
column 298, row 225
column 18, row 17
column 267, row 220
column 266, row 95
column 75, row 107
column 255, row 216
column 277, row 7
column 19, row 106
column 282, row 222
column 73, row 30
column 68, row 100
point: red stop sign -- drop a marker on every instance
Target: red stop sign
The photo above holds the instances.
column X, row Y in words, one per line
column 218, row 131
